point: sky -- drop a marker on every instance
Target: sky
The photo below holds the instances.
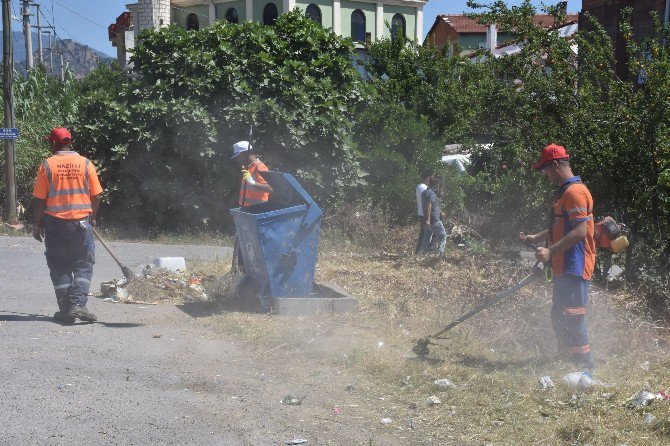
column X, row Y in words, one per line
column 87, row 20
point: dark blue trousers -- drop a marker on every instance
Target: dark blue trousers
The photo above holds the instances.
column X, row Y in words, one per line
column 70, row 253
column 568, row 315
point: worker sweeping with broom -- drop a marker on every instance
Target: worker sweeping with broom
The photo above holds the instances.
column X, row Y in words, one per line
column 66, row 200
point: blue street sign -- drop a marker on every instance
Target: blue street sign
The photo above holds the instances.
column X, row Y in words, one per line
column 9, row 133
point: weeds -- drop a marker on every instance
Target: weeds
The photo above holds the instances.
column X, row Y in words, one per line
column 495, row 359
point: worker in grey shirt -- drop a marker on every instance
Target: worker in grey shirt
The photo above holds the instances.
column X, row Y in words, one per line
column 433, row 218
column 420, row 189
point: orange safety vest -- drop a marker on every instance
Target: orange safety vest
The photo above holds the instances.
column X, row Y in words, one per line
column 69, row 186
column 248, row 194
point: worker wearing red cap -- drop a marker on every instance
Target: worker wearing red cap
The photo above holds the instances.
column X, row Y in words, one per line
column 66, row 200
column 571, row 249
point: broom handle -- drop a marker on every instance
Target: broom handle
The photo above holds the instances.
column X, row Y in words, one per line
column 107, row 248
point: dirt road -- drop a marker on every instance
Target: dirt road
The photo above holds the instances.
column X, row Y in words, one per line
column 116, row 381
column 194, row 375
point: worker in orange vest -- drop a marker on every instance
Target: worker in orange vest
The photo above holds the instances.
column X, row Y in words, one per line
column 253, row 188
column 66, row 200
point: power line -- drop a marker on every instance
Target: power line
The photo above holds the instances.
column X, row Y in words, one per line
column 79, row 15
column 61, row 40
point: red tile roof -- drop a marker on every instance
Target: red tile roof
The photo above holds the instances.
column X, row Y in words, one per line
column 464, row 24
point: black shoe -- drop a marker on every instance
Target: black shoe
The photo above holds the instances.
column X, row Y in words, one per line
column 63, row 316
column 82, row 313
column 585, row 361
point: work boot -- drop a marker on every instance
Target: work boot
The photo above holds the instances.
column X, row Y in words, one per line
column 63, row 316
column 584, row 361
column 82, row 313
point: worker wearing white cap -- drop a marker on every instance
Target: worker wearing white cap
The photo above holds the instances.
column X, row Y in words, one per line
column 254, row 189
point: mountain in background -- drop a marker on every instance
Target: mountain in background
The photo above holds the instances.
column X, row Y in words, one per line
column 79, row 58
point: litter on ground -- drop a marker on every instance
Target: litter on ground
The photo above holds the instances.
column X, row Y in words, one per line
column 582, row 381
column 292, row 400
column 546, row 382
column 443, row 383
column 645, row 398
column 433, row 401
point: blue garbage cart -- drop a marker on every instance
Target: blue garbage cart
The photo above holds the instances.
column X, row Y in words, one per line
column 279, row 240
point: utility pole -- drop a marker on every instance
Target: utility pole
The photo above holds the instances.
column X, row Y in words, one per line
column 28, row 33
column 51, row 54
column 39, row 27
column 62, row 68
column 8, row 71
column 40, row 56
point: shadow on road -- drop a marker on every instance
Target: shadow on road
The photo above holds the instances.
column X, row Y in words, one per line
column 23, row 317
column 206, row 309
column 200, row 309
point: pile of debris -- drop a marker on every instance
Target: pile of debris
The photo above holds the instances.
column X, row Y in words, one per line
column 154, row 285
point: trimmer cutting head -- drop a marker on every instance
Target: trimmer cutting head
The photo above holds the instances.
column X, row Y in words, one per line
column 421, row 347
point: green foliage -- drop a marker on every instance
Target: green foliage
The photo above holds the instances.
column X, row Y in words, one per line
column 418, row 101
column 40, row 104
column 293, row 81
column 615, row 129
column 396, row 148
column 441, row 89
column 162, row 140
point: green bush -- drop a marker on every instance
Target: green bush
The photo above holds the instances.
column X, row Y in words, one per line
column 40, row 104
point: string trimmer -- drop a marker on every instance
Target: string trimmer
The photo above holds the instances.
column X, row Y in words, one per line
column 538, row 273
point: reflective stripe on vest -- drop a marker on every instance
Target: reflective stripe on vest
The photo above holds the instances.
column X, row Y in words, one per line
column 76, row 191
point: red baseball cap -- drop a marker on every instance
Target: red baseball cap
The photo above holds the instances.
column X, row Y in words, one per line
column 550, row 153
column 61, row 135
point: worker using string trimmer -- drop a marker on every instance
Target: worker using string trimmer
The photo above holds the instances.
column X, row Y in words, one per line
column 253, row 188
column 571, row 250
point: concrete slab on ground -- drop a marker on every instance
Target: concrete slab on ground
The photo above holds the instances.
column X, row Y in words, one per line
column 326, row 299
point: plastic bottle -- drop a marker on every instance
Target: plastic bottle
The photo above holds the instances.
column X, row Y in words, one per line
column 579, row 381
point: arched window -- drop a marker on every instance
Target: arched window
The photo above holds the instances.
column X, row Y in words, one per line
column 192, row 22
column 231, row 16
column 358, row 26
column 398, row 25
column 313, row 12
column 270, row 14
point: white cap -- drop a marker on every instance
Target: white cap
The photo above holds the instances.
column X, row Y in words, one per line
column 239, row 147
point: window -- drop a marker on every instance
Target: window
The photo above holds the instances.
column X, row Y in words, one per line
column 358, row 26
column 231, row 16
column 398, row 25
column 270, row 14
column 313, row 12
column 192, row 22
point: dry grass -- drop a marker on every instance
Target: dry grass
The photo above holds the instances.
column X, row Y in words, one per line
column 495, row 359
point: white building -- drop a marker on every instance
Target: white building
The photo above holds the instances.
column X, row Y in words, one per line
column 362, row 20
